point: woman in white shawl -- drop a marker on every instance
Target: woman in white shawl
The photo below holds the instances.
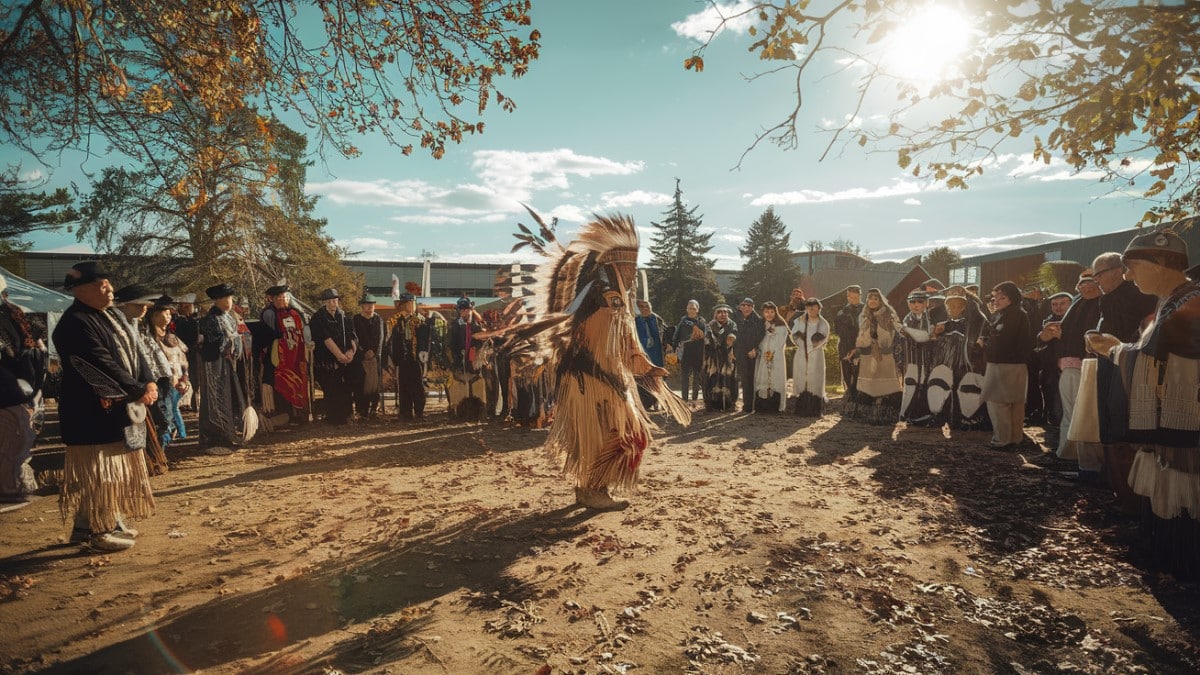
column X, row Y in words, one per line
column 878, row 399
column 810, row 332
column 770, row 374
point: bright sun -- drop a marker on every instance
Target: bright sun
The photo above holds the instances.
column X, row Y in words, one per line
column 924, row 48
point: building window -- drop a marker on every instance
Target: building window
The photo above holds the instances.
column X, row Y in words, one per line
column 1053, row 255
column 965, row 276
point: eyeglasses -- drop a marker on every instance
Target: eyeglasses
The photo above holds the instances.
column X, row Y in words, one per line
column 1107, row 270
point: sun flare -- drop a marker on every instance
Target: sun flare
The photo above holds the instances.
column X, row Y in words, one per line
column 925, row 47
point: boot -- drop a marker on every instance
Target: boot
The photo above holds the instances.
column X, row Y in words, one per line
column 598, row 500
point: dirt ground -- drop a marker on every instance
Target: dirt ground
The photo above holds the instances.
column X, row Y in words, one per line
column 756, row 544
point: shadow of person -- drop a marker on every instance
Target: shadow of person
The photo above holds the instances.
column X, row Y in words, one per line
column 408, row 569
column 845, row 438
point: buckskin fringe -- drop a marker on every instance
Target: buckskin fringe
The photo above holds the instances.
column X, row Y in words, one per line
column 102, row 481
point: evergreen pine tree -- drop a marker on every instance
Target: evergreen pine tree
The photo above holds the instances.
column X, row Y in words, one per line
column 769, row 272
column 678, row 270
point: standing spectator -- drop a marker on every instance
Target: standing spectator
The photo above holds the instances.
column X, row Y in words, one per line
column 879, row 393
column 186, row 326
column 1159, row 377
column 335, row 346
column 845, row 326
column 1123, row 306
column 794, row 306
column 650, row 334
column 689, row 345
column 720, row 366
column 1008, row 347
column 935, row 304
column 1124, row 309
column 1035, row 307
column 22, row 374
column 770, row 374
column 1044, row 352
column 462, row 336
column 174, row 382
column 408, row 334
column 106, row 386
column 285, row 357
column 368, row 326
column 1070, row 349
column 916, row 333
column 223, row 404
column 750, row 329
column 810, row 331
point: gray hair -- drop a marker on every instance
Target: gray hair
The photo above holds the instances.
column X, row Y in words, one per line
column 1107, row 260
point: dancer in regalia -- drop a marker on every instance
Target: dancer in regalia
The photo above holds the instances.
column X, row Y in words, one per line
column 878, row 399
column 770, row 374
column 956, row 380
column 810, row 332
column 720, row 368
column 916, row 333
column 586, row 333
column 284, row 357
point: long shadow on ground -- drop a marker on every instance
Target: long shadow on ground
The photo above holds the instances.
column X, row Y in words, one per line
column 385, row 579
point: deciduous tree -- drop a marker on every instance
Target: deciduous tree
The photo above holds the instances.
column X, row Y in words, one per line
column 419, row 72
column 769, row 270
column 24, row 210
column 1107, row 87
column 940, row 261
column 678, row 270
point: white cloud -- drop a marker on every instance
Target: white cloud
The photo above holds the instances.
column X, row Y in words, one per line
column 732, row 238
column 370, row 244
column 972, row 246
column 912, row 201
column 610, row 200
column 909, row 220
column 900, row 187
column 427, row 219
column 706, row 23
column 517, row 175
column 568, row 212
column 381, row 192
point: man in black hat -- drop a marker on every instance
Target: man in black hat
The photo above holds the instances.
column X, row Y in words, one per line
column 406, row 351
column 106, row 386
column 284, row 357
column 223, row 360
column 845, row 326
column 462, row 336
column 750, row 331
column 335, row 346
column 368, row 326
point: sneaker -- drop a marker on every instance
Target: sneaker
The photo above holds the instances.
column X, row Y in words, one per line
column 109, row 542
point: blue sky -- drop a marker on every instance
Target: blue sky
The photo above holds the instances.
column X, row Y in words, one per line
column 607, row 119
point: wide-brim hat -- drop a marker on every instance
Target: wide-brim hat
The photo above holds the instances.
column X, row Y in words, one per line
column 723, row 307
column 135, row 294
column 164, row 300
column 406, row 297
column 328, row 294
column 84, row 273
column 219, row 291
column 464, row 303
column 367, row 299
column 278, row 290
column 956, row 293
column 1159, row 244
column 918, row 295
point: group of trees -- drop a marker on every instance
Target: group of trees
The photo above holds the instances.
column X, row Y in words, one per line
column 182, row 98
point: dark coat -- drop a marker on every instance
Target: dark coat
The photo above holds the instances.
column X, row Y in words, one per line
column 845, row 326
column 1123, row 310
column 1009, row 339
column 85, row 333
column 750, row 330
column 337, row 326
column 1082, row 316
